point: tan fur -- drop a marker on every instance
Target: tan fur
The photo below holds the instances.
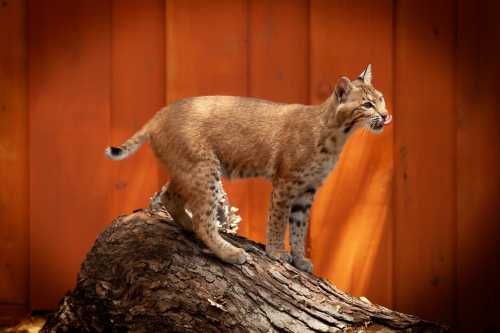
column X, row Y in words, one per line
column 295, row 146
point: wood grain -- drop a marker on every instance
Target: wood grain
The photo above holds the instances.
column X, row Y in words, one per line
column 14, row 192
column 69, row 96
column 178, row 287
column 351, row 230
column 137, row 92
column 425, row 157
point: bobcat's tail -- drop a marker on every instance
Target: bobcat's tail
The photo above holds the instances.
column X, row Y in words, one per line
column 128, row 147
column 135, row 141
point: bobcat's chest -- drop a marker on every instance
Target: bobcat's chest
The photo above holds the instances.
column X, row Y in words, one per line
column 319, row 169
column 324, row 162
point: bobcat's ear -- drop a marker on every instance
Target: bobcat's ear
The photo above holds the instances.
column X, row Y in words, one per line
column 366, row 76
column 342, row 88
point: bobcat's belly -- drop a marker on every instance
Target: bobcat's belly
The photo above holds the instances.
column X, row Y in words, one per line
column 241, row 173
column 246, row 163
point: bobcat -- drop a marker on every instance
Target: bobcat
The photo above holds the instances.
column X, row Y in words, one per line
column 201, row 139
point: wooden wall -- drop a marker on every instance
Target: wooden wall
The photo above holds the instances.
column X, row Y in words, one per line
column 425, row 158
column 478, row 166
column 408, row 219
column 14, row 185
column 108, row 79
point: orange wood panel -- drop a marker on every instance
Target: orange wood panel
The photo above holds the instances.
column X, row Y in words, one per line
column 279, row 71
column 425, row 153
column 11, row 314
column 69, row 92
column 478, row 161
column 207, row 55
column 138, row 91
column 14, row 224
column 351, row 230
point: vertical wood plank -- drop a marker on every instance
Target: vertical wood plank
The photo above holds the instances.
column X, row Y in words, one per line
column 279, row 71
column 14, row 195
column 351, row 230
column 11, row 314
column 478, row 158
column 207, row 55
column 425, row 144
column 138, row 91
column 69, row 92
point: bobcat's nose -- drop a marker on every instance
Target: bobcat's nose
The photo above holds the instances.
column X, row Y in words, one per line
column 387, row 118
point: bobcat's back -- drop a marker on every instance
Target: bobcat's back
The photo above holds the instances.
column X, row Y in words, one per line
column 250, row 137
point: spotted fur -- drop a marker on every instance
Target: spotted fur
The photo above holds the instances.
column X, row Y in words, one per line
column 202, row 139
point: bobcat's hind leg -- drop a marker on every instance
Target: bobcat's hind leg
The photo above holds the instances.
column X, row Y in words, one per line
column 203, row 203
column 176, row 206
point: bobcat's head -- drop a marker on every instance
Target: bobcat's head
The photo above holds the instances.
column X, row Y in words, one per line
column 359, row 104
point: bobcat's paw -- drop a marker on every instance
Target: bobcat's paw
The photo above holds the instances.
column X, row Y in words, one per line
column 278, row 254
column 238, row 256
column 303, row 264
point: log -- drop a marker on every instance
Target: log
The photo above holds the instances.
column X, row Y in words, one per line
column 146, row 274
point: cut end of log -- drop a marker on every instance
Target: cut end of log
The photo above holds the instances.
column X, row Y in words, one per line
column 146, row 274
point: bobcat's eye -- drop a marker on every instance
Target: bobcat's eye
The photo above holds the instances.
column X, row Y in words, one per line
column 367, row 105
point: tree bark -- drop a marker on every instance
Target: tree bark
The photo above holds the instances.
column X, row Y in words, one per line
column 145, row 274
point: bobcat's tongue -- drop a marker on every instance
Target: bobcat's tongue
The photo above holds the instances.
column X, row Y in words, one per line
column 388, row 119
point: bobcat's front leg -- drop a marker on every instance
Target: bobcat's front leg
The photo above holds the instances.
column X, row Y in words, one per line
column 276, row 225
column 299, row 221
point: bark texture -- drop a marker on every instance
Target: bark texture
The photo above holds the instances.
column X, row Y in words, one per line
column 145, row 274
